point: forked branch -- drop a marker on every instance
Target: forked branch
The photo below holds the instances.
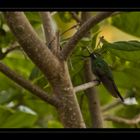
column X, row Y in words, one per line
column 69, row 47
column 132, row 121
column 48, row 29
column 7, row 51
column 34, row 47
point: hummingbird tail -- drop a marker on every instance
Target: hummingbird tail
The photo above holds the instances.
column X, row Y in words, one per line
column 111, row 87
column 119, row 95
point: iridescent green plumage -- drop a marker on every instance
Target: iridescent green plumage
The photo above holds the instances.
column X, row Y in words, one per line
column 103, row 73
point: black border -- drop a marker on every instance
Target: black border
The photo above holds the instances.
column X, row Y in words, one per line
column 69, row 4
column 70, row 130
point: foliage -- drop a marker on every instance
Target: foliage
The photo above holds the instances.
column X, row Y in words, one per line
column 122, row 56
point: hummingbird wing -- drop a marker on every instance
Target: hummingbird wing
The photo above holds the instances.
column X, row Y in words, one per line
column 104, row 73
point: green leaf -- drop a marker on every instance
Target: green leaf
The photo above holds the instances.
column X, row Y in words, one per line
column 38, row 78
column 34, row 18
column 128, row 78
column 7, row 95
column 19, row 120
column 41, row 107
column 124, row 45
column 128, row 112
column 127, row 50
column 128, row 22
column 4, row 114
column 94, row 39
column 130, row 56
column 104, row 95
column 19, row 63
column 34, row 73
column 2, row 32
column 54, row 124
column 65, row 16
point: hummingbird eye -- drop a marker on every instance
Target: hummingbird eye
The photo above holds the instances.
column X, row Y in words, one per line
column 93, row 56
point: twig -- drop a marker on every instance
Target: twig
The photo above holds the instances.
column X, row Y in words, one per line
column 132, row 121
column 86, row 86
column 48, row 28
column 74, row 26
column 113, row 105
column 28, row 85
column 110, row 106
column 7, row 51
column 75, row 16
column 69, row 47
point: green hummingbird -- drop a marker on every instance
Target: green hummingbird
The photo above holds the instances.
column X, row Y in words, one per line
column 104, row 74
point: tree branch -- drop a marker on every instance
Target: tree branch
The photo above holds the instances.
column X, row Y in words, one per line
column 55, row 70
column 93, row 100
column 32, row 44
column 110, row 106
column 132, row 121
column 75, row 16
column 86, row 86
column 49, row 30
column 28, row 85
column 7, row 51
column 69, row 47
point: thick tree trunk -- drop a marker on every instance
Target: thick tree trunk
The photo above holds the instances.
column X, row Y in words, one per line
column 55, row 70
column 69, row 109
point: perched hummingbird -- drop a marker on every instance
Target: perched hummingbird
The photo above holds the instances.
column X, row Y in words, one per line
column 103, row 73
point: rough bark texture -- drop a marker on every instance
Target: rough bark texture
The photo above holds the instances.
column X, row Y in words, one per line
column 55, row 70
column 69, row 110
column 92, row 95
column 50, row 35
column 31, row 44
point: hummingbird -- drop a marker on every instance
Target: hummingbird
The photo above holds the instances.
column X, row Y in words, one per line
column 104, row 74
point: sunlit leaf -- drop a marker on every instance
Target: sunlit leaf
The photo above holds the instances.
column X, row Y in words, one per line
column 128, row 22
column 54, row 124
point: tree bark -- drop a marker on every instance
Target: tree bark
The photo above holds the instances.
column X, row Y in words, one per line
column 91, row 22
column 55, row 70
column 53, row 67
column 93, row 99
column 50, row 35
column 69, row 109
